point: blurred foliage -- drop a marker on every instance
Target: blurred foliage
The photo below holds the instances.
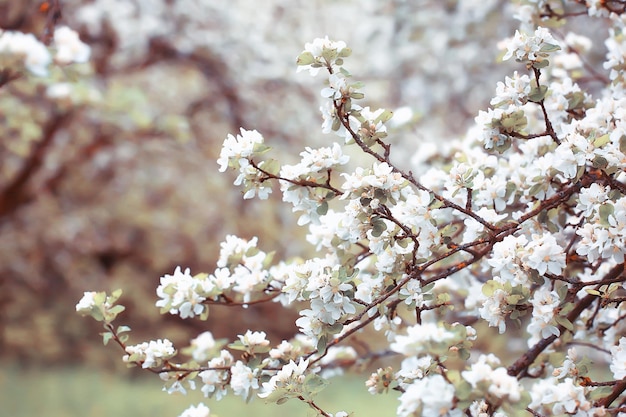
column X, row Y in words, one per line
column 114, row 186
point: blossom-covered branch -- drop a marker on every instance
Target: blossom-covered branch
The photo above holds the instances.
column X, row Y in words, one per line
column 522, row 229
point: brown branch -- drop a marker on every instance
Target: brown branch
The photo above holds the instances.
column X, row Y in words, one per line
column 231, row 303
column 6, row 76
column 549, row 128
column 529, row 357
column 53, row 8
column 618, row 389
column 345, row 121
column 14, row 195
column 344, row 336
column 302, row 183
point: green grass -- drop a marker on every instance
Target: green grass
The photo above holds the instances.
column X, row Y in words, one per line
column 91, row 393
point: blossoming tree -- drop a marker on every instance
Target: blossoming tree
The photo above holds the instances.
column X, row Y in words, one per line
column 520, row 227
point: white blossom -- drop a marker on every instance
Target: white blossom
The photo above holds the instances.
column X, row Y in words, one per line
column 182, row 294
column 69, row 47
column 322, row 49
column 202, row 345
column 494, row 310
column 87, row 302
column 27, row 48
column 199, row 410
column 216, row 380
column 253, row 339
column 290, row 378
column 419, row 396
column 151, row 354
column 534, row 48
column 243, row 379
column 238, row 148
column 618, row 359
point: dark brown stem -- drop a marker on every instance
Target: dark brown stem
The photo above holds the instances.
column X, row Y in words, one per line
column 522, row 364
column 345, row 121
column 314, row 406
column 54, row 15
column 619, row 388
column 15, row 194
column 302, row 183
column 549, row 128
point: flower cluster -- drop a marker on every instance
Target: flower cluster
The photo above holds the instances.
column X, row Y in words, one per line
column 183, row 294
column 329, row 290
column 35, row 56
column 241, row 270
column 492, row 380
column 238, row 153
column 69, row 47
column 418, row 398
column 315, row 167
column 289, row 379
column 565, row 397
column 24, row 46
column 322, row 53
column 533, row 49
column 150, row 354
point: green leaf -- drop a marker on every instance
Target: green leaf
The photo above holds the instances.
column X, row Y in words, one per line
column 490, row 287
column 535, row 189
column 97, row 314
column 282, row 400
column 106, row 337
column 540, row 64
column 279, row 396
column 463, row 390
column 562, row 292
column 99, row 298
column 260, row 148
column 575, row 100
column 548, row 47
column 271, row 165
column 335, row 328
column 305, row 58
column 537, row 94
column 329, row 54
column 345, row 52
column 123, row 329
column 115, row 310
column 322, row 209
column 563, row 321
column 378, row 227
column 514, row 299
column 604, row 212
column 314, row 383
column 601, row 141
column 322, row 343
column 238, row 345
column 600, row 162
column 384, row 116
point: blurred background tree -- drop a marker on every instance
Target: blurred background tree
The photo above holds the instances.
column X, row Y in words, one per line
column 107, row 170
